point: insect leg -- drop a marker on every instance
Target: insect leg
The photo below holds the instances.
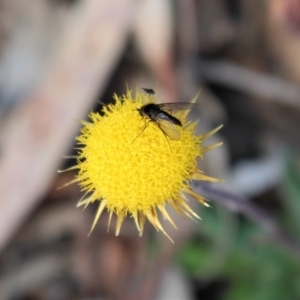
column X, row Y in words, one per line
column 166, row 136
column 142, row 130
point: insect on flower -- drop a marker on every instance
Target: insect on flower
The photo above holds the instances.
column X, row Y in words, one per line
column 148, row 91
column 161, row 115
column 130, row 190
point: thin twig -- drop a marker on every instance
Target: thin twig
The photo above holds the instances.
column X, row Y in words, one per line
column 241, row 205
column 265, row 86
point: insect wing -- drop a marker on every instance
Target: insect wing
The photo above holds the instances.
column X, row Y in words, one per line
column 169, row 129
column 177, row 106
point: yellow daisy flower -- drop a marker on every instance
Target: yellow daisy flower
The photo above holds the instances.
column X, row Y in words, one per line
column 132, row 168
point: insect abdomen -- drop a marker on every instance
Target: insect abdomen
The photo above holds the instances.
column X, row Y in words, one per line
column 168, row 117
column 175, row 121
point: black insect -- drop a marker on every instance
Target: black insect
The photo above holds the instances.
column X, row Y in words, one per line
column 161, row 115
column 148, row 91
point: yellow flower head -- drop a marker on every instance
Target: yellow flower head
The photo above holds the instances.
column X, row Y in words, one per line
column 133, row 168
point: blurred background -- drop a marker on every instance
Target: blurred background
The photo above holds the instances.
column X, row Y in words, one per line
column 59, row 58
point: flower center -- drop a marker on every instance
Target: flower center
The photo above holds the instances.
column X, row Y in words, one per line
column 133, row 169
